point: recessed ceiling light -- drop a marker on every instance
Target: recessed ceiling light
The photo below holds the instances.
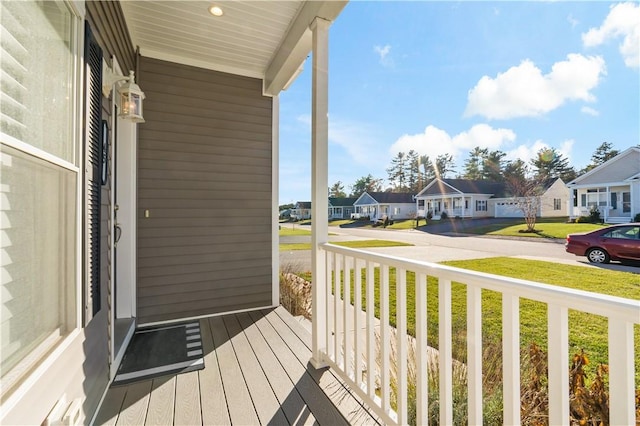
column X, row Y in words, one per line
column 215, row 10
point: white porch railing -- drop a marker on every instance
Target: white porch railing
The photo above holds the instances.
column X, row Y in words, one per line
column 348, row 344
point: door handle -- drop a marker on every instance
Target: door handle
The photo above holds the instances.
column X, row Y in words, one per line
column 117, row 232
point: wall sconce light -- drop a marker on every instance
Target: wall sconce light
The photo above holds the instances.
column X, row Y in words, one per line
column 130, row 95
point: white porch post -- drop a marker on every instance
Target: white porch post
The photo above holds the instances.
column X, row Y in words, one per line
column 319, row 184
column 571, row 204
column 608, row 206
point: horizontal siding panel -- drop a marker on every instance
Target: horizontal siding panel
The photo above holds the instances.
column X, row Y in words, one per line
column 207, row 240
column 195, row 295
column 166, row 144
column 230, row 284
column 207, row 222
column 168, row 72
column 194, row 231
column 249, row 249
column 214, row 175
column 222, row 106
column 193, row 267
column 207, row 311
column 232, row 210
column 204, row 177
column 170, row 166
column 224, row 256
column 177, row 115
column 214, row 141
column 204, row 185
column 209, row 160
column 259, row 299
column 248, row 278
column 153, row 123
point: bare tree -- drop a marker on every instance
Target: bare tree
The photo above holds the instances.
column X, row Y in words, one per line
column 526, row 192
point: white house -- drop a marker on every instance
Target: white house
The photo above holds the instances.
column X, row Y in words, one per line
column 479, row 198
column 301, row 211
column 377, row 205
column 613, row 188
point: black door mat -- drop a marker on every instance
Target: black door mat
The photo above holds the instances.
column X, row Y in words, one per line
column 160, row 351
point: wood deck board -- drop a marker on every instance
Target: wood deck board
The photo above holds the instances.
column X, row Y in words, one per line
column 294, row 407
column 264, row 400
column 111, row 406
column 214, row 402
column 300, row 342
column 256, row 372
column 162, row 401
column 136, row 402
column 321, row 406
column 241, row 409
column 188, row 407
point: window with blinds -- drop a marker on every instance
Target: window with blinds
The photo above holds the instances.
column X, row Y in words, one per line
column 38, row 181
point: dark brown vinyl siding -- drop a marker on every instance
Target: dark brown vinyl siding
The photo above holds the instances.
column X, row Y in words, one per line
column 110, row 30
column 204, row 175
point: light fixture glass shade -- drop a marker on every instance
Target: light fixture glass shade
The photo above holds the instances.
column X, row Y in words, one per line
column 131, row 100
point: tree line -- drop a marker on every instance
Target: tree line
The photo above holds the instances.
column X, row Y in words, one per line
column 410, row 172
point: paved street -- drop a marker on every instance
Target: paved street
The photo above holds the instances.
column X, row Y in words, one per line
column 437, row 248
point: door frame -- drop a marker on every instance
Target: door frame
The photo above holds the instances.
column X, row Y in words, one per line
column 123, row 215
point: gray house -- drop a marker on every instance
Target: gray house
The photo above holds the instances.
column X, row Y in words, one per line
column 341, row 207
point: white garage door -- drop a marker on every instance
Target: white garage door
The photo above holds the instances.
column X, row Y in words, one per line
column 507, row 209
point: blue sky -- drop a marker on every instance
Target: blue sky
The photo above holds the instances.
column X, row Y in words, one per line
column 444, row 77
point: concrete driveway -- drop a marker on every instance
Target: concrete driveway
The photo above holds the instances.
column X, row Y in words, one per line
column 445, row 244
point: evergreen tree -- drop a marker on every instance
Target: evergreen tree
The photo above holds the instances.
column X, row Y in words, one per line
column 427, row 171
column 398, row 172
column 549, row 164
column 366, row 183
column 515, row 170
column 413, row 172
column 473, row 164
column 444, row 165
column 603, row 153
column 337, row 190
column 492, row 165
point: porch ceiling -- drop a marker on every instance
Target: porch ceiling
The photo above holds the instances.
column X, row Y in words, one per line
column 260, row 39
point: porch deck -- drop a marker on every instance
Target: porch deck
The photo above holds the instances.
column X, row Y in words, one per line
column 256, row 372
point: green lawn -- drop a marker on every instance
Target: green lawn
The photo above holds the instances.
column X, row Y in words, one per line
column 287, row 232
column 588, row 332
column 351, row 244
column 544, row 229
column 340, row 222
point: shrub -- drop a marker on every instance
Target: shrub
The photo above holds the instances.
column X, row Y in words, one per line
column 594, row 215
column 444, row 215
column 637, row 218
column 429, row 215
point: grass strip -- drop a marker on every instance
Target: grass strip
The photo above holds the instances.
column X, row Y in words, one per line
column 351, row 244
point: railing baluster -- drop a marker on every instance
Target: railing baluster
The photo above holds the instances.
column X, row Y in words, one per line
column 511, row 358
column 422, row 379
column 384, row 338
column 371, row 338
column 558, row 364
column 445, row 348
column 357, row 320
column 401, row 344
column 336, row 309
column 331, row 260
column 621, row 373
column 474, row 353
column 346, row 318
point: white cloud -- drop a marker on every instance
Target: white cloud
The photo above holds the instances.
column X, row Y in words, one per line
column 623, row 21
column 523, row 91
column 356, row 138
column 383, row 52
column 589, row 111
column 573, row 21
column 434, row 141
column 527, row 152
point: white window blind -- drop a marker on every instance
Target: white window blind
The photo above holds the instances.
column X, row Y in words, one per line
column 37, row 184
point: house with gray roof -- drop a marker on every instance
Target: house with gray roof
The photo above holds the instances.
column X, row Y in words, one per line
column 613, row 188
column 341, row 207
column 467, row 198
column 377, row 205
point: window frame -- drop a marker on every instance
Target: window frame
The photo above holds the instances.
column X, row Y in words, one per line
column 41, row 359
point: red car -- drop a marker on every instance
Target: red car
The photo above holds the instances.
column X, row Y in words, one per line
column 617, row 242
